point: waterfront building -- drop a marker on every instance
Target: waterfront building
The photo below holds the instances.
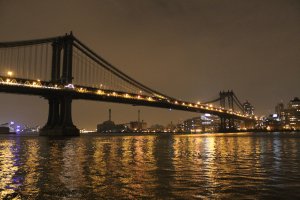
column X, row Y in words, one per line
column 292, row 115
column 156, row 128
column 273, row 122
column 137, row 125
column 171, row 127
column 192, row 125
column 204, row 123
column 210, row 123
column 110, row 127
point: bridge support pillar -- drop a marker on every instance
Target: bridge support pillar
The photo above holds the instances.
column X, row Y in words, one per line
column 231, row 124
column 53, row 113
column 226, row 125
column 60, row 118
column 222, row 124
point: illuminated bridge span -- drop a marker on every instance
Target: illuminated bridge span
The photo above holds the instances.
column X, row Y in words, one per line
column 62, row 69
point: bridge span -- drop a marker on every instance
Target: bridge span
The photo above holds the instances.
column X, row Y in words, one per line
column 62, row 69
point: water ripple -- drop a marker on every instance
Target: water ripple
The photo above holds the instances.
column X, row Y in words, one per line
column 215, row 166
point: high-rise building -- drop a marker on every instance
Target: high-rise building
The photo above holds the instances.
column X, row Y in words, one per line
column 292, row 114
column 279, row 109
column 248, row 108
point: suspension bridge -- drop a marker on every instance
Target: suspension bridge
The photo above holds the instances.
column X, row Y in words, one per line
column 62, row 69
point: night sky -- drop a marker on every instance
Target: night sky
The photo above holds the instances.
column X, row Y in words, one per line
column 188, row 49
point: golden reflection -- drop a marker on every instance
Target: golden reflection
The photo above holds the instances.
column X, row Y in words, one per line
column 209, row 161
column 205, row 166
column 72, row 169
column 32, row 175
column 123, row 162
column 97, row 166
column 8, row 167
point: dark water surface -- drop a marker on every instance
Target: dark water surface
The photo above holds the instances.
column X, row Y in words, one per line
column 212, row 166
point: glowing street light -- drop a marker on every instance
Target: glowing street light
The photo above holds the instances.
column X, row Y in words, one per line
column 9, row 73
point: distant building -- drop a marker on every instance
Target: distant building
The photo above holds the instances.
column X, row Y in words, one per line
column 157, row 128
column 204, row 123
column 292, row 114
column 192, row 125
column 171, row 127
column 279, row 109
column 273, row 122
column 136, row 125
column 248, row 108
column 110, row 127
column 285, row 118
column 210, row 123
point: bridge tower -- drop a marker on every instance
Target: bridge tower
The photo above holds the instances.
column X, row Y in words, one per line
column 226, row 123
column 60, row 105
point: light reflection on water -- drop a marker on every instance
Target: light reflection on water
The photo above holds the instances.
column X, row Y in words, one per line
column 214, row 166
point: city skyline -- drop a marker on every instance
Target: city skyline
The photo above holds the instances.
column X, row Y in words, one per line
column 191, row 56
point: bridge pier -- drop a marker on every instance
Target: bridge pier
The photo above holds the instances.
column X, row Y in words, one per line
column 231, row 124
column 53, row 113
column 222, row 124
column 226, row 125
column 60, row 107
column 59, row 121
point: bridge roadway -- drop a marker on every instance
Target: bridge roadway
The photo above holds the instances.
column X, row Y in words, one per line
column 48, row 90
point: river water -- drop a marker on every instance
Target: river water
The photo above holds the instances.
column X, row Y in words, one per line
column 207, row 166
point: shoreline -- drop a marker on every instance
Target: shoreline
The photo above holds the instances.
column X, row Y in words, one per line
column 155, row 134
column 181, row 133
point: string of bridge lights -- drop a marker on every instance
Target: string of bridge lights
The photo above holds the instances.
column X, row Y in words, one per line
column 10, row 80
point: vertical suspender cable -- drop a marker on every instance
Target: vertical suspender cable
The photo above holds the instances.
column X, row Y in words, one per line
column 23, row 63
column 42, row 68
column 81, row 70
column 46, row 63
column 36, row 75
column 1, row 59
column 89, row 72
column 10, row 59
column 99, row 79
column 30, row 66
column 85, row 71
column 18, row 62
column 94, row 73
column 74, row 66
column 5, row 59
